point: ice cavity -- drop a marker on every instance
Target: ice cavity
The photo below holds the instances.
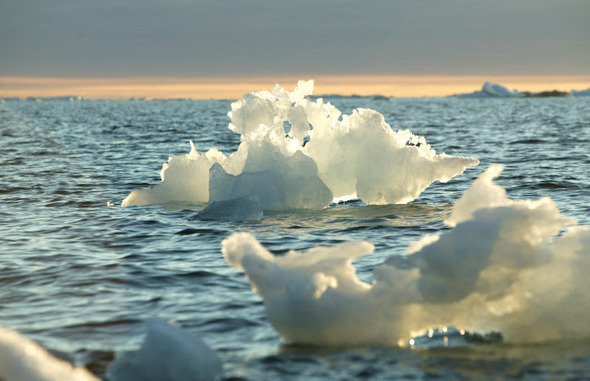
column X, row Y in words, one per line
column 167, row 354
column 296, row 153
column 22, row 359
column 502, row 268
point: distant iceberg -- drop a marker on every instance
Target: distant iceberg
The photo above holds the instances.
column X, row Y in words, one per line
column 297, row 153
column 491, row 90
column 496, row 90
column 581, row 93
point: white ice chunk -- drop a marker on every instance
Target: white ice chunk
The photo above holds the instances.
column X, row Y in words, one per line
column 185, row 178
column 309, row 297
column 362, row 155
column 294, row 152
column 278, row 181
column 22, row 359
column 168, row 354
column 482, row 193
column 503, row 268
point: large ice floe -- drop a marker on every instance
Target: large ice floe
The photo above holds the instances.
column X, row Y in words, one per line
column 506, row 266
column 297, row 153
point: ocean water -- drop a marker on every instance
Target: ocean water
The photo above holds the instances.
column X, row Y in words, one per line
column 81, row 274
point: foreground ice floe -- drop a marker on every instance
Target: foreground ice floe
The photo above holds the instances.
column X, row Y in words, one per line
column 503, row 267
column 167, row 354
column 22, row 359
column 296, row 153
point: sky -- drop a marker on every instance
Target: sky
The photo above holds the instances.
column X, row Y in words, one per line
column 183, row 47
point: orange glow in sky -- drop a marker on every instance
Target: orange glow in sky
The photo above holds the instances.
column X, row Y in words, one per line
column 235, row 87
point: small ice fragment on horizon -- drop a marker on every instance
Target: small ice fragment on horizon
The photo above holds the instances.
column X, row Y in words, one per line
column 496, row 90
column 491, row 90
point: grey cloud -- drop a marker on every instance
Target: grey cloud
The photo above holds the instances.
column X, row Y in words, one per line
column 269, row 37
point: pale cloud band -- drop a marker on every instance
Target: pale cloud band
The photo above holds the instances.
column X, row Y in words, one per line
column 235, row 87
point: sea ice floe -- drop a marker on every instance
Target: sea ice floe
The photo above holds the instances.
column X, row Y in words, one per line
column 22, row 359
column 297, row 153
column 504, row 267
column 185, row 178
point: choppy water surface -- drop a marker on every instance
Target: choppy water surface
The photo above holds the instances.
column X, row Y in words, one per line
column 82, row 277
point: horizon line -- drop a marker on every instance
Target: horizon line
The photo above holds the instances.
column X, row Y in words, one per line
column 233, row 87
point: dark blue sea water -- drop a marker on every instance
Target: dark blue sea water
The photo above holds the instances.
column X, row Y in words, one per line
column 81, row 275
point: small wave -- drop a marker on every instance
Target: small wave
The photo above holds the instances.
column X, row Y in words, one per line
column 103, row 324
column 529, row 141
column 200, row 231
column 219, row 325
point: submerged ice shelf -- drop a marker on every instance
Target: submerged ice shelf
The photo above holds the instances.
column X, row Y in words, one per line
column 296, row 153
column 502, row 268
